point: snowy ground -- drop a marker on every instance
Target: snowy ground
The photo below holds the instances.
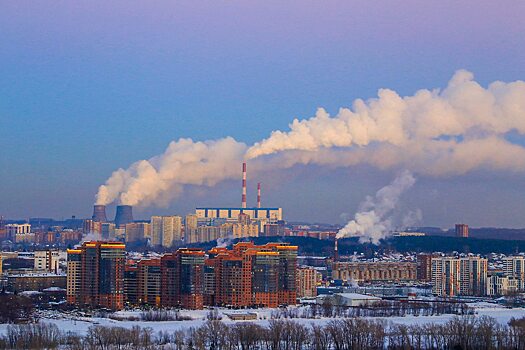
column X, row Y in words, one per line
column 80, row 325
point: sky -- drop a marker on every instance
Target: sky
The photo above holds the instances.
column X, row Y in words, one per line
column 87, row 87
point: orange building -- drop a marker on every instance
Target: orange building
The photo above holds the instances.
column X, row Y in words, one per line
column 149, row 282
column 182, row 278
column 100, row 275
column 250, row 275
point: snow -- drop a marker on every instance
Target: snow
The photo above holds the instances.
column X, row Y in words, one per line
column 80, row 325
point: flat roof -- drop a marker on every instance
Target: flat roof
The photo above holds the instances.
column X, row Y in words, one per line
column 236, row 208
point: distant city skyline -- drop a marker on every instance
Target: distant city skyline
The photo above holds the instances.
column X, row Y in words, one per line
column 99, row 86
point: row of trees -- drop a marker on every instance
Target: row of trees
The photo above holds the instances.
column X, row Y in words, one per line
column 383, row 308
column 466, row 332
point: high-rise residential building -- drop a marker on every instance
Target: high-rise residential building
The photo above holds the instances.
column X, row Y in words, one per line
column 17, row 229
column 101, row 274
column 90, row 226
column 46, row 260
column 462, row 230
column 149, row 282
column 137, row 231
column 156, row 230
column 166, row 230
column 245, row 230
column 208, row 233
column 190, row 229
column 445, row 276
column 453, row 276
column 182, row 279
column 424, row 267
column 307, row 278
column 514, row 266
column 131, row 282
column 107, row 230
column 265, row 278
column 473, row 279
column 498, row 284
column 250, row 275
column 74, row 276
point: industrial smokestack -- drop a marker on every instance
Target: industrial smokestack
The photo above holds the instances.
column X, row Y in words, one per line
column 244, row 185
column 336, row 251
column 124, row 215
column 258, row 195
column 99, row 213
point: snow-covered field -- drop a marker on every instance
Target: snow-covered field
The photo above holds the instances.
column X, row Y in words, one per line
column 80, row 325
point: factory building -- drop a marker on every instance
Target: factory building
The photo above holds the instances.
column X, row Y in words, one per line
column 232, row 214
column 374, row 271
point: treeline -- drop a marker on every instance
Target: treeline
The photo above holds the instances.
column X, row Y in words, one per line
column 466, row 332
column 383, row 308
column 347, row 246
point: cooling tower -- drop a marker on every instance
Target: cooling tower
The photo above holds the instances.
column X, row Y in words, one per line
column 99, row 213
column 124, row 215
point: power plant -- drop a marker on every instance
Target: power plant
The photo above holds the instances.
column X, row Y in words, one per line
column 99, row 213
column 124, row 215
column 257, row 213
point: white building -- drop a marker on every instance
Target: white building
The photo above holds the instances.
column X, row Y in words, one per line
column 16, row 229
column 498, row 284
column 232, row 214
column 514, row 266
column 347, row 299
column 166, row 230
column 46, row 260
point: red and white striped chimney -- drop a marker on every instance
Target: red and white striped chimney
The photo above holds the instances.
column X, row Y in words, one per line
column 244, row 185
column 258, row 195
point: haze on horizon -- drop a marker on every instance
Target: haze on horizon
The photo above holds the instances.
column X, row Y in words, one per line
column 95, row 87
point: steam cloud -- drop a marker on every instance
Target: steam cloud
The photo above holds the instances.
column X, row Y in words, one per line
column 434, row 132
column 372, row 223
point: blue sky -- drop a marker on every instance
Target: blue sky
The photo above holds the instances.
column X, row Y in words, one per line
column 87, row 87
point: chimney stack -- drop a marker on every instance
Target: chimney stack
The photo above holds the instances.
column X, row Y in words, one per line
column 336, row 251
column 258, row 195
column 99, row 213
column 124, row 215
column 243, row 185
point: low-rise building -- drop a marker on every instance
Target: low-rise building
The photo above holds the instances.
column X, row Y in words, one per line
column 374, row 271
column 347, row 299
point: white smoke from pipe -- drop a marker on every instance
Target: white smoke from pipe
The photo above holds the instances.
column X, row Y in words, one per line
column 434, row 132
column 91, row 237
column 464, row 109
column 163, row 177
column 373, row 223
column 412, row 218
column 223, row 242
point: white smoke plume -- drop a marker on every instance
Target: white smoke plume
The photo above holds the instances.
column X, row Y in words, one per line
column 162, row 178
column 452, row 131
column 91, row 236
column 224, row 242
column 373, row 223
column 412, row 218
